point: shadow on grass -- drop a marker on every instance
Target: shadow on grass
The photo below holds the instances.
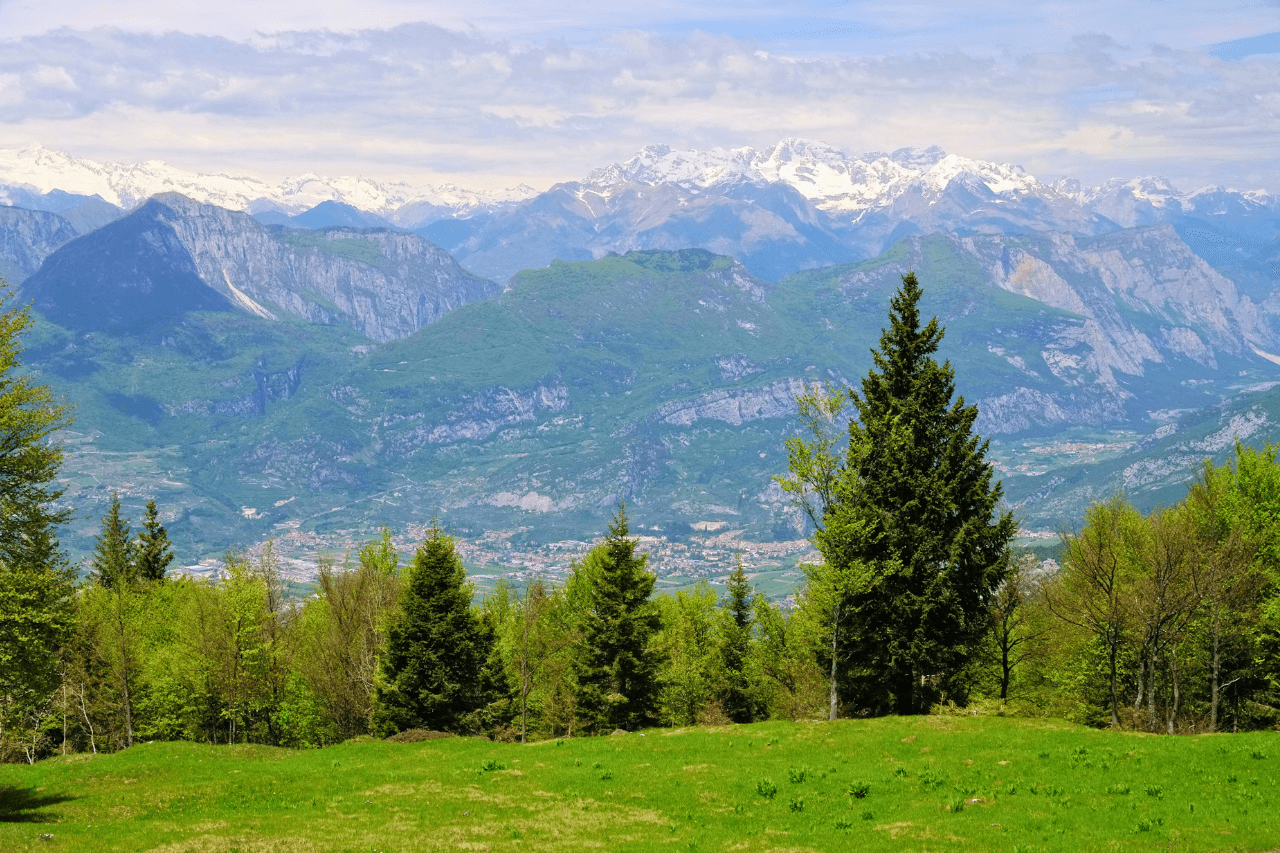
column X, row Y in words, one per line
column 23, row 805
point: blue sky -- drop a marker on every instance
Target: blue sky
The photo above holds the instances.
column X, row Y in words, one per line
column 496, row 93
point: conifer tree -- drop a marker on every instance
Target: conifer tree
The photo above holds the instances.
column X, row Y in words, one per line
column 735, row 648
column 617, row 678
column 114, row 557
column 153, row 554
column 436, row 667
column 914, row 509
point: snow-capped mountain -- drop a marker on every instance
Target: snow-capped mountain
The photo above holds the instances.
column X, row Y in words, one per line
column 795, row 205
column 35, row 168
column 833, row 181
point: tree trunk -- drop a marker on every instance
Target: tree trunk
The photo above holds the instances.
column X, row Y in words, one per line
column 1005, row 670
column 835, row 631
column 1115, row 701
column 1173, row 675
column 1215, row 670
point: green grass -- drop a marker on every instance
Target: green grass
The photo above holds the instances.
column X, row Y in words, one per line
column 935, row 783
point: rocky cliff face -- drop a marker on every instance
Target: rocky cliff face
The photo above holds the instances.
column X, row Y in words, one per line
column 27, row 237
column 384, row 283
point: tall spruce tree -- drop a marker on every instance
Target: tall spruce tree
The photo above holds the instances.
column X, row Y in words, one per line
column 618, row 670
column 915, row 509
column 737, row 699
column 114, row 555
column 153, row 552
column 436, row 666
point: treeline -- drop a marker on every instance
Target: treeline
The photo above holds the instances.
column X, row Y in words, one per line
column 1164, row 622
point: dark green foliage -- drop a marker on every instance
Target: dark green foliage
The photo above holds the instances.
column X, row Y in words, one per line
column 914, row 501
column 618, row 670
column 434, row 669
column 153, row 552
column 114, row 554
column 737, row 699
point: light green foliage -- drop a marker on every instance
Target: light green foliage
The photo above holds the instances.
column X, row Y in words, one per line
column 693, row 674
column 35, row 580
column 703, row 789
column 114, row 558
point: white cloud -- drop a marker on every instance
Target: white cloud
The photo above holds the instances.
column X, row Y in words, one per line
column 419, row 101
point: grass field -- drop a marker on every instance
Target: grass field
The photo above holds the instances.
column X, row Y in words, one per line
column 927, row 784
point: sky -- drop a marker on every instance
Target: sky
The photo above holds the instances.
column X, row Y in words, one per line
column 494, row 94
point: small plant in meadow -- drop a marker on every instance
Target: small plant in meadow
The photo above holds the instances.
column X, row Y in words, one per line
column 1258, row 754
column 1011, row 789
column 1143, row 826
column 867, row 814
column 606, row 776
column 956, row 806
column 844, row 823
column 798, row 774
column 900, row 772
column 766, row 788
column 1155, row 791
column 1233, row 778
column 1044, row 755
column 596, row 766
column 858, row 790
column 796, row 804
column 1121, row 790
column 491, row 764
column 517, row 834
column 1023, row 848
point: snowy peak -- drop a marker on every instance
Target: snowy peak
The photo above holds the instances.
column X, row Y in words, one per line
column 37, row 168
column 832, row 180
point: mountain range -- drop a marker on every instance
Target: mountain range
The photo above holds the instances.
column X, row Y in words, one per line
column 312, row 372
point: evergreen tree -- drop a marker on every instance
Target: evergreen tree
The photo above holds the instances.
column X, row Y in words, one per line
column 153, row 554
column 914, row 510
column 436, row 667
column 735, row 648
column 114, row 558
column 617, row 678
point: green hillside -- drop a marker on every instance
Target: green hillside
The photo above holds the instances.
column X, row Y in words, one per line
column 664, row 378
column 927, row 783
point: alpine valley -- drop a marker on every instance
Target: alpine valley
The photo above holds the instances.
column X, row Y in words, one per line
column 313, row 359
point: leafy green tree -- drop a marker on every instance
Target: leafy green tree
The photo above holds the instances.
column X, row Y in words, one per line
column 691, row 675
column 114, row 561
column 914, row 504
column 153, row 553
column 35, row 580
column 738, row 699
column 618, row 669
column 29, row 460
column 435, row 667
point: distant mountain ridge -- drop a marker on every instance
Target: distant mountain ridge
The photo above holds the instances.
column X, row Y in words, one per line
column 174, row 255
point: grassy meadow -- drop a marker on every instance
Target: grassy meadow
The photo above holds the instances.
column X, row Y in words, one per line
column 917, row 784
